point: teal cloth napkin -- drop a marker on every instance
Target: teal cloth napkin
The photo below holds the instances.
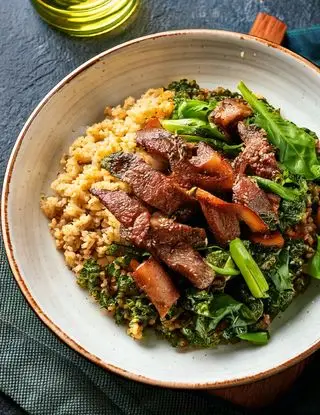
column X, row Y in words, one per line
column 306, row 42
column 45, row 377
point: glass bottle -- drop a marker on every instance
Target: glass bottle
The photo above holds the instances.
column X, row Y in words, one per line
column 85, row 18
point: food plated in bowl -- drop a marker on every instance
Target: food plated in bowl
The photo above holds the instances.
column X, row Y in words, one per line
column 191, row 211
column 213, row 59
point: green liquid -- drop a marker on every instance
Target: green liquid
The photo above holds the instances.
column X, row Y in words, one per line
column 85, row 18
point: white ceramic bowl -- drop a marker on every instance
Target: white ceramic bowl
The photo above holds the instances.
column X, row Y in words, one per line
column 212, row 58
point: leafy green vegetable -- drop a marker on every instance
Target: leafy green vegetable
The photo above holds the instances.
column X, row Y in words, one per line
column 199, row 336
column 193, row 108
column 259, row 337
column 218, row 257
column 140, row 310
column 313, row 266
column 301, row 283
column 221, row 262
column 232, row 149
column 185, row 88
column 254, row 306
column 281, row 277
column 211, row 309
column 297, row 148
column 89, row 276
column 121, row 250
column 193, row 126
column 291, row 212
column 284, row 192
column 297, row 251
column 270, row 219
column 106, row 162
column 278, row 301
column 249, row 269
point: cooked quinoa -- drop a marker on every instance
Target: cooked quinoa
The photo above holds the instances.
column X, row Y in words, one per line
column 80, row 224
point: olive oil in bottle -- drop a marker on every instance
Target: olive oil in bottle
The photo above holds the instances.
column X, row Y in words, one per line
column 85, row 18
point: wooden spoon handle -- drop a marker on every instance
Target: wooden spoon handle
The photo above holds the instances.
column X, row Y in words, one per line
column 264, row 392
column 269, row 28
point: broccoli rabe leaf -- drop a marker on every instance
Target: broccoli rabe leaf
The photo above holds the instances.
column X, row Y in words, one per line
column 291, row 212
column 194, row 108
column 271, row 186
column 297, row 148
column 281, row 277
column 140, row 310
column 184, row 88
column 249, row 269
column 193, row 126
column 259, row 338
column 89, row 276
column 221, row 262
column 126, row 250
column 278, row 301
column 313, row 266
column 211, row 309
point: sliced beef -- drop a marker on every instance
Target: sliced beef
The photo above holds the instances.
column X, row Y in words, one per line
column 149, row 185
column 124, row 207
column 130, row 212
column 223, row 223
column 160, row 142
column 168, row 241
column 167, row 231
column 223, row 217
column 187, row 175
column 207, row 169
column 183, row 259
column 151, row 278
column 229, row 111
column 258, row 156
column 246, row 192
column 210, row 162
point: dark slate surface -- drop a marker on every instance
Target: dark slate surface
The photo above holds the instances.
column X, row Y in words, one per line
column 34, row 57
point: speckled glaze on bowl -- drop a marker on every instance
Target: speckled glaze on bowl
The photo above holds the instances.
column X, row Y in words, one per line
column 212, row 58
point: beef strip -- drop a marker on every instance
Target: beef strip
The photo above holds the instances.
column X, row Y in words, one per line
column 248, row 193
column 163, row 238
column 167, row 231
column 187, row 171
column 160, row 142
column 149, row 185
column 223, row 224
column 124, row 207
column 258, row 157
column 151, row 278
column 183, row 259
column 130, row 212
column 229, row 111
column 187, row 175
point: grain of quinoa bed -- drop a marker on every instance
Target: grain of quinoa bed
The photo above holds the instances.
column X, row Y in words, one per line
column 80, row 224
column 190, row 211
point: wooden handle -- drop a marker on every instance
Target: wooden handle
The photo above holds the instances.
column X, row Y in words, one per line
column 269, row 28
column 264, row 392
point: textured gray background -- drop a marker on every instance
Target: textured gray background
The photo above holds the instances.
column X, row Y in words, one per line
column 34, row 57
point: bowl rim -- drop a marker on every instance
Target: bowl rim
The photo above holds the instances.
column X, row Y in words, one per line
column 9, row 248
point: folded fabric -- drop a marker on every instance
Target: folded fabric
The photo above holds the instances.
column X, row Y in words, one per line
column 45, row 377
column 305, row 42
